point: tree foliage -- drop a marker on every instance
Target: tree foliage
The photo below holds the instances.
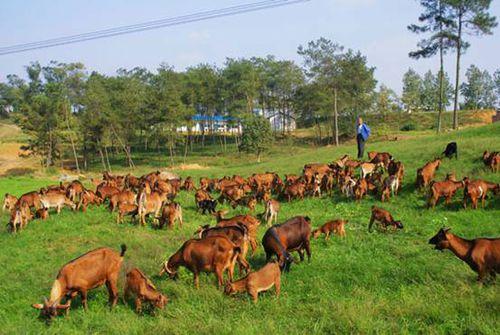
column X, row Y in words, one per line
column 257, row 135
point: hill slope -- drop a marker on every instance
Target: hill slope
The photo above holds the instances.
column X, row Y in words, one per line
column 365, row 283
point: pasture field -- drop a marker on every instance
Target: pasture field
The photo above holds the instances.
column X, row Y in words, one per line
column 367, row 283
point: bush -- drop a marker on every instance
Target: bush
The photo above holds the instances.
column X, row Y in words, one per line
column 408, row 127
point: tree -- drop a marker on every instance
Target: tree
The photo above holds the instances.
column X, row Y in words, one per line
column 471, row 17
column 430, row 95
column 434, row 19
column 257, row 135
column 344, row 74
column 386, row 100
column 496, row 81
column 479, row 89
column 412, row 90
column 279, row 82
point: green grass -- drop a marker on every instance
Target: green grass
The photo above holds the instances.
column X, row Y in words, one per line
column 367, row 283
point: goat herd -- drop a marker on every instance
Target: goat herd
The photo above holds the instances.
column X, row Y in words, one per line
column 218, row 249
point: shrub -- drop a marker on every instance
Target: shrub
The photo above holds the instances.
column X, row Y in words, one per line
column 408, row 127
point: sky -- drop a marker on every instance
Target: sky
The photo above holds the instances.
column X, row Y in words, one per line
column 375, row 27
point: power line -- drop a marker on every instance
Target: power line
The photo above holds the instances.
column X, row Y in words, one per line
column 156, row 24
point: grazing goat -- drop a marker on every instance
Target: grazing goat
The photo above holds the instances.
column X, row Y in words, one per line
column 150, row 203
column 292, row 235
column 87, row 272
column 250, row 222
column 360, row 189
column 123, row 197
column 74, row 191
column 207, row 206
column 258, row 281
column 42, row 213
column 296, row 190
column 89, row 198
column 331, row 227
column 451, row 150
column 481, row 254
column 170, row 213
column 478, row 189
column 19, row 216
column 56, row 200
column 31, row 198
column 238, row 234
column 188, row 184
column 142, row 288
column 383, row 218
column 492, row 160
column 211, row 254
column 126, row 209
column 9, row 202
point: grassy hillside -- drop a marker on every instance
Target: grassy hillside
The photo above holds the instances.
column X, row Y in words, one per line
column 366, row 283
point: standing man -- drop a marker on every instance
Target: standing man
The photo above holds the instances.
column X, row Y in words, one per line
column 363, row 132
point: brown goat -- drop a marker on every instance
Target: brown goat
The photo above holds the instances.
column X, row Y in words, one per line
column 271, row 211
column 142, row 288
column 75, row 190
column 396, row 169
column 258, row 281
column 188, row 184
column 492, row 160
column 389, row 186
column 247, row 220
column 292, row 235
column 478, row 189
column 481, row 254
column 42, row 213
column 150, row 203
column 105, row 191
column 211, row 254
column 331, row 227
column 383, row 218
column 9, row 202
column 89, row 198
column 56, row 200
column 446, row 188
column 380, row 157
column 19, row 216
column 87, row 272
column 122, row 197
column 126, row 209
column 360, row 189
column 295, row 191
column 238, row 234
column 426, row 173
column 32, row 199
column 169, row 214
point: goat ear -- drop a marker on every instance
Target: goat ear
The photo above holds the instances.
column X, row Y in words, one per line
column 37, row 306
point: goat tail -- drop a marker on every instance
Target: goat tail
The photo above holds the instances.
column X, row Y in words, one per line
column 123, row 250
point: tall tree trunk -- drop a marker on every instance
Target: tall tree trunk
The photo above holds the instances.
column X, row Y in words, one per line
column 107, row 158
column 335, row 118
column 102, row 157
column 441, row 71
column 457, row 74
column 50, row 149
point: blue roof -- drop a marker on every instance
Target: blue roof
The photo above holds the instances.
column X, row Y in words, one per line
column 214, row 118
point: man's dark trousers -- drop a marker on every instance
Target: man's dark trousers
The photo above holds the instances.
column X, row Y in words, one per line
column 361, row 146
